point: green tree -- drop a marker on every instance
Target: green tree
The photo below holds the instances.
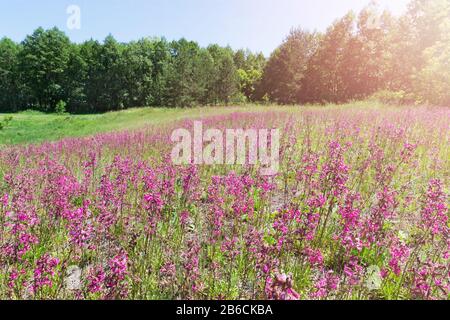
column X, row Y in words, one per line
column 113, row 93
column 285, row 71
column 161, row 58
column 224, row 81
column 323, row 81
column 432, row 82
column 91, row 75
column 76, row 80
column 137, row 69
column 365, row 61
column 103, row 76
column 187, row 76
column 415, row 33
column 11, row 96
column 43, row 63
column 250, row 69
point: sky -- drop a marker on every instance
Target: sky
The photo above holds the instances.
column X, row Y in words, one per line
column 259, row 25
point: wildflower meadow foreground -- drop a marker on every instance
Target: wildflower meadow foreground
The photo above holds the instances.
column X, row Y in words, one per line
column 358, row 209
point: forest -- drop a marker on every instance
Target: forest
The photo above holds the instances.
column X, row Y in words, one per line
column 404, row 59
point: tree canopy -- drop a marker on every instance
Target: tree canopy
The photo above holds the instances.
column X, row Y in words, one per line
column 46, row 70
column 360, row 55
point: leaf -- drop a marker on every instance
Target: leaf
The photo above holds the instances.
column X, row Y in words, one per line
column 270, row 240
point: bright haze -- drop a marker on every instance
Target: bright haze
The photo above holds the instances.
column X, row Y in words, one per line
column 259, row 25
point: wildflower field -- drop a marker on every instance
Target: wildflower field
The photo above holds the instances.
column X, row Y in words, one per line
column 358, row 210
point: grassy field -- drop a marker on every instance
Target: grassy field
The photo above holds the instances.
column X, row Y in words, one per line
column 357, row 210
column 36, row 127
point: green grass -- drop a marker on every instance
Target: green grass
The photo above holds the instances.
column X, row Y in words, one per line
column 35, row 127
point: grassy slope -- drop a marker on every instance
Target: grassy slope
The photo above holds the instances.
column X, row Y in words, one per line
column 35, row 127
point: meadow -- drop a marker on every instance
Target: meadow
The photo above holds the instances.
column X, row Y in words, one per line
column 358, row 210
column 34, row 127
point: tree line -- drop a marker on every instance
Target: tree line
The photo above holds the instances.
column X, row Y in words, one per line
column 47, row 72
column 405, row 58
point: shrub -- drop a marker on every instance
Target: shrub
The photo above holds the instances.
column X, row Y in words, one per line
column 393, row 97
column 60, row 107
column 5, row 122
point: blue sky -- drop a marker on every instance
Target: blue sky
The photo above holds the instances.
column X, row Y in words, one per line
column 259, row 25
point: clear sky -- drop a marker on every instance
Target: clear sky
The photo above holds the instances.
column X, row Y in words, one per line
column 259, row 25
